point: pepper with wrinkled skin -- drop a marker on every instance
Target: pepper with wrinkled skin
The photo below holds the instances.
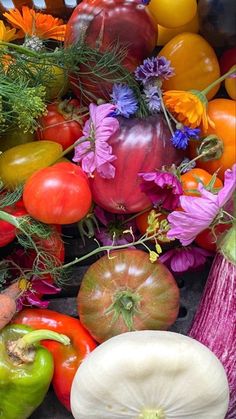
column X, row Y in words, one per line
column 26, row 369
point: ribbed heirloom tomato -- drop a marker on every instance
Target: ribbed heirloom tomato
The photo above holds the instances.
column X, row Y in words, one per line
column 127, row 292
column 58, row 195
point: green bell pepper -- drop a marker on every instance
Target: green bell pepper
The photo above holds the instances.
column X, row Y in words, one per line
column 26, row 369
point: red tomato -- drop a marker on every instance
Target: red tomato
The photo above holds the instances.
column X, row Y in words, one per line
column 54, row 195
column 62, row 123
column 207, row 240
column 127, row 286
column 192, row 178
column 7, row 230
column 227, row 60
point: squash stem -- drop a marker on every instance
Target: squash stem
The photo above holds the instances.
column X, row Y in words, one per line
column 228, row 245
column 152, row 414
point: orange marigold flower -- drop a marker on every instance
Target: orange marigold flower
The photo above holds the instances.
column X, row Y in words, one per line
column 32, row 23
column 188, row 107
column 7, row 34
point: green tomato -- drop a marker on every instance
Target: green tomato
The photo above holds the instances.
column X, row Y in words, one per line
column 15, row 137
column 20, row 162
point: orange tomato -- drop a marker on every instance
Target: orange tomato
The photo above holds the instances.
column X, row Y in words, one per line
column 223, row 113
column 195, row 63
column 192, row 178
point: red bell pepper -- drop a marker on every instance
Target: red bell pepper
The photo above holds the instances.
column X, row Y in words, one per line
column 66, row 358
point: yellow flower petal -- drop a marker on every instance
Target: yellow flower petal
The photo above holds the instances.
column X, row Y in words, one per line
column 7, row 34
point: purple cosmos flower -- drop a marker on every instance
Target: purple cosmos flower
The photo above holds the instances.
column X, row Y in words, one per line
column 113, row 227
column 185, row 258
column 94, row 152
column 152, row 98
column 34, row 290
column 124, row 100
column 162, row 188
column 154, row 68
column 199, row 212
column 181, row 137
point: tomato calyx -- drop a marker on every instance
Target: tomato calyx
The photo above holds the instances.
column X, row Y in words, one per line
column 125, row 304
column 71, row 111
column 211, row 148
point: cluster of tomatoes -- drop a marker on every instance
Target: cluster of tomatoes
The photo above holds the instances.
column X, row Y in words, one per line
column 62, row 194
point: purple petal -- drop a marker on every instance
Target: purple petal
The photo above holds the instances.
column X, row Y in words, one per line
column 44, row 287
column 226, row 192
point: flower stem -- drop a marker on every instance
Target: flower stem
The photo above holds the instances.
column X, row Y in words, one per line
column 108, row 248
column 219, row 80
column 165, row 112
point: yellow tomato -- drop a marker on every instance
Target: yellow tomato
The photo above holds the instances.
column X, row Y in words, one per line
column 58, row 84
column 166, row 34
column 230, row 87
column 20, row 162
column 195, row 63
column 173, row 13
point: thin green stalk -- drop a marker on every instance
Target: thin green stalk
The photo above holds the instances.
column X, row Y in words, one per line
column 219, row 80
column 99, row 249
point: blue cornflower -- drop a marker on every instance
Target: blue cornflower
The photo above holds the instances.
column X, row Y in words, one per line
column 124, row 100
column 181, row 136
column 154, row 68
column 152, row 98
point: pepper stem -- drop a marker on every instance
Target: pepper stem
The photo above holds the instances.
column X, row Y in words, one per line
column 219, row 80
column 152, row 414
column 37, row 335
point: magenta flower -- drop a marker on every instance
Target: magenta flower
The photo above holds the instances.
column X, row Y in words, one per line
column 185, row 259
column 93, row 150
column 114, row 225
column 162, row 188
column 34, row 290
column 199, row 212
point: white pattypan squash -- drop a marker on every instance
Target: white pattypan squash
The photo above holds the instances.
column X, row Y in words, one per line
column 150, row 375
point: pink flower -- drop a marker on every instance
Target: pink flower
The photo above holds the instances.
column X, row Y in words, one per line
column 199, row 212
column 185, row 258
column 33, row 292
column 94, row 151
column 162, row 188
